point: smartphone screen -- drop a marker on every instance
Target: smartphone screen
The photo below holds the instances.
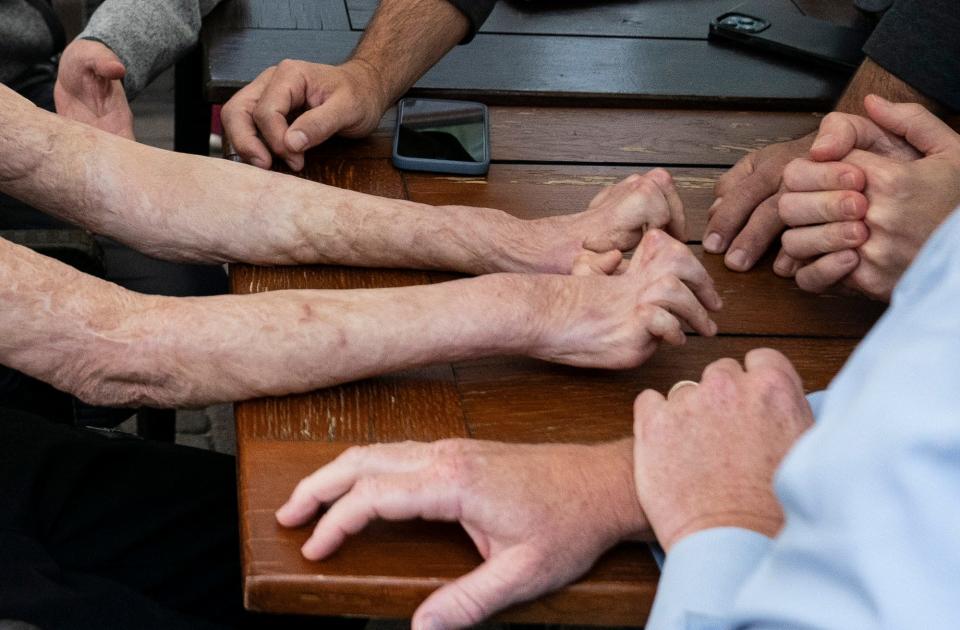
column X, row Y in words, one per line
column 453, row 131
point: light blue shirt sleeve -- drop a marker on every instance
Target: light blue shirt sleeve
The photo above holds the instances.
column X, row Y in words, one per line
column 871, row 494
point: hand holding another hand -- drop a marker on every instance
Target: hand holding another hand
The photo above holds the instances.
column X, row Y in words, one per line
column 743, row 220
column 89, row 88
column 540, row 515
column 705, row 456
column 347, row 99
column 618, row 322
column 903, row 170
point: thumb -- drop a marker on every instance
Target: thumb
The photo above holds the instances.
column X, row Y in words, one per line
column 317, row 125
column 912, row 121
column 593, row 264
column 504, row 579
column 109, row 68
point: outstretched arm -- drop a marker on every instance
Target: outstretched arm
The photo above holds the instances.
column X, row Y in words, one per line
column 111, row 346
column 190, row 208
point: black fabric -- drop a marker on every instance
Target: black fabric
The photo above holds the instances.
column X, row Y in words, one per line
column 99, row 531
column 53, row 23
column 476, row 11
column 919, row 42
column 114, row 533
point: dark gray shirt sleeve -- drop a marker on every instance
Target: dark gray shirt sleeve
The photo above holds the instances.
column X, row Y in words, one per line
column 918, row 41
column 477, row 11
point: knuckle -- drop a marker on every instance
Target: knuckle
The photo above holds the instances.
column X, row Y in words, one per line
column 453, row 461
column 792, row 173
column 354, row 454
column 367, row 487
column 656, row 240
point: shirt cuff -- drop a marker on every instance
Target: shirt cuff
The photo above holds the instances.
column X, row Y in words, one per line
column 702, row 576
column 476, row 12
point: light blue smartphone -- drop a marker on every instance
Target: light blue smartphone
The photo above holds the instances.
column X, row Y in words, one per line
column 442, row 136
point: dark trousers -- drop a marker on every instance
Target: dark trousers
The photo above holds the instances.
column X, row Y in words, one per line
column 101, row 532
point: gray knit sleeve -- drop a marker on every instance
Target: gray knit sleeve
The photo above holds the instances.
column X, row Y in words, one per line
column 148, row 35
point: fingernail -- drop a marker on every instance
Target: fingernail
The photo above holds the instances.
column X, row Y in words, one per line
column 713, row 243
column 737, row 259
column 295, row 164
column 823, row 142
column 297, row 141
column 848, row 257
column 259, row 163
column 716, row 202
column 848, row 180
column 785, row 266
column 849, row 207
column 713, row 327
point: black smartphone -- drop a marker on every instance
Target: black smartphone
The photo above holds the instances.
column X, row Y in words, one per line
column 442, row 136
column 781, row 30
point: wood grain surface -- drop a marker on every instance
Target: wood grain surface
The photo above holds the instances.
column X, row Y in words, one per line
column 547, row 160
column 514, row 69
column 610, row 136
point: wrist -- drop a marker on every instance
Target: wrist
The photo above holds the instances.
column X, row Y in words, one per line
column 767, row 524
column 367, row 74
column 509, row 244
column 628, row 516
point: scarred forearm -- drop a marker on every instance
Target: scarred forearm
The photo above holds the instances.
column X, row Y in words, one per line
column 189, row 208
column 110, row 346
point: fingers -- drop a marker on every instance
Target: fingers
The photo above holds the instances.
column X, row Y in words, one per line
column 808, row 242
column 677, row 227
column 814, row 208
column 677, row 298
column 785, row 266
column 761, row 230
column 336, row 478
column 285, row 93
column 739, row 192
column 592, row 264
column 317, row 125
column 239, row 125
column 769, row 359
column 804, row 175
column 661, row 254
column 912, row 121
column 391, row 497
column 504, row 579
column 841, row 133
column 826, row 271
column 722, row 368
column 662, row 325
column 110, row 69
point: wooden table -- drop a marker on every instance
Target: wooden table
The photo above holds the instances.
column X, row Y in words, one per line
column 547, row 160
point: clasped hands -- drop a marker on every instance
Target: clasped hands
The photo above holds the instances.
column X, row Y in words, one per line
column 858, row 198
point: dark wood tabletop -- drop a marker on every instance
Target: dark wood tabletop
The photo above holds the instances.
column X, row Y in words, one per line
column 550, row 156
column 546, row 161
